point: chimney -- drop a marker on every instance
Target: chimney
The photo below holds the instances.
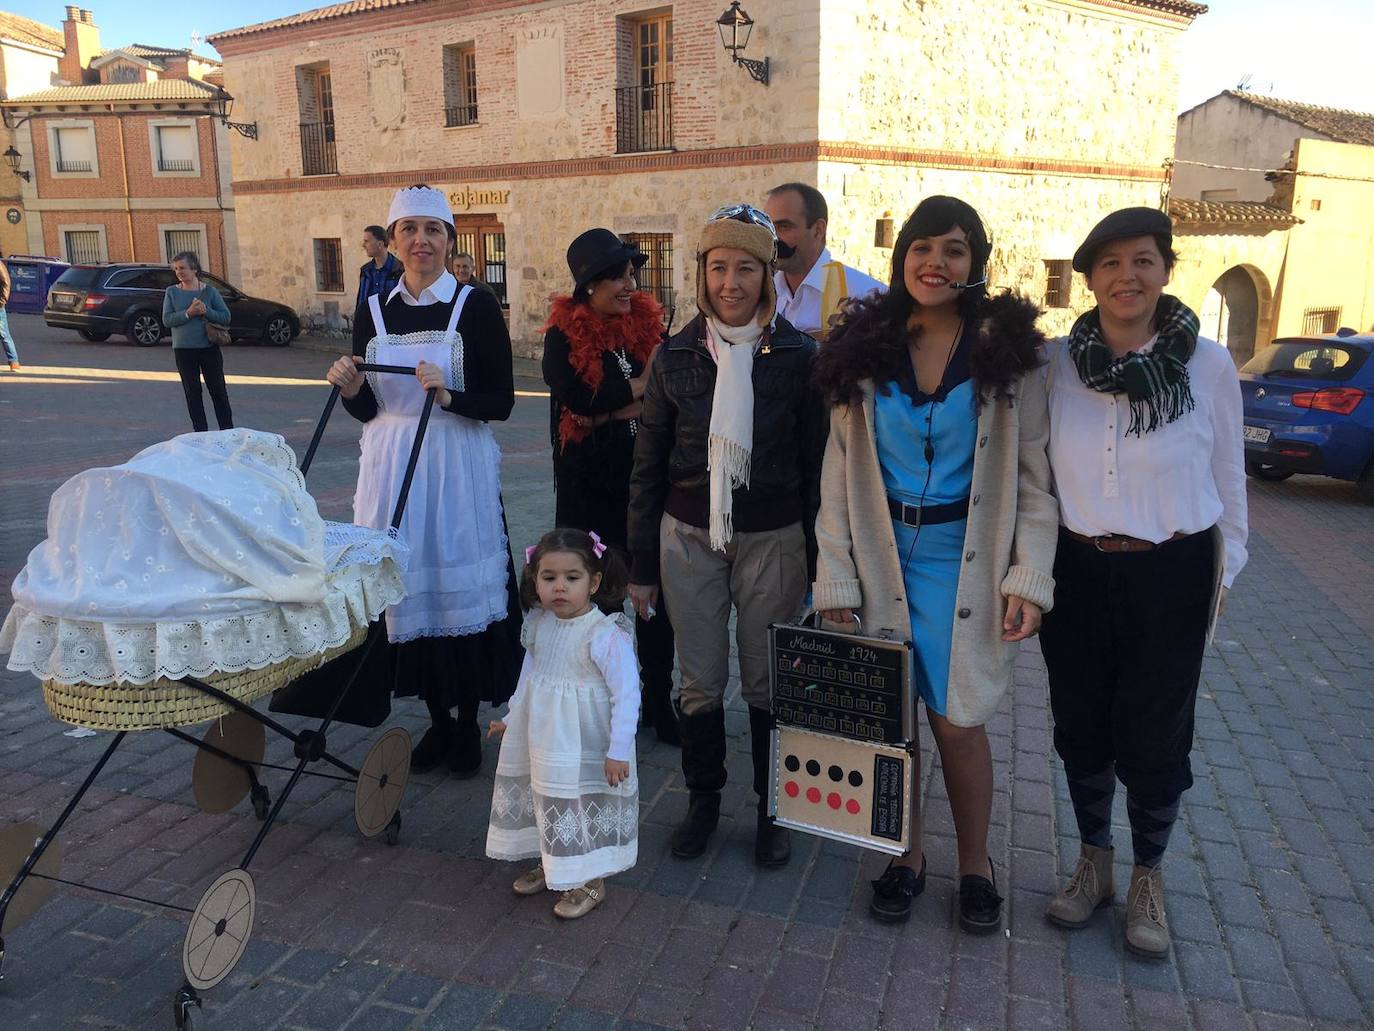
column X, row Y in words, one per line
column 81, row 39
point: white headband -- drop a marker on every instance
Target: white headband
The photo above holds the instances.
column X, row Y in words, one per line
column 419, row 202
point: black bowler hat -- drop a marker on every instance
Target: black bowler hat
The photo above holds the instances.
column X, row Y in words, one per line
column 1122, row 225
column 596, row 250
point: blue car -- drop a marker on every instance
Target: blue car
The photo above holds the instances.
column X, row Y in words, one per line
column 1309, row 408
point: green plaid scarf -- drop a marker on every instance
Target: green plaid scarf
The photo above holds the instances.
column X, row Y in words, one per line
column 1156, row 383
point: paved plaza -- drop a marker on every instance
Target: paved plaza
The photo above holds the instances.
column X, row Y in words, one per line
column 1270, row 876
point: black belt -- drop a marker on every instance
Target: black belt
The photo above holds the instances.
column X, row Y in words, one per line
column 922, row 515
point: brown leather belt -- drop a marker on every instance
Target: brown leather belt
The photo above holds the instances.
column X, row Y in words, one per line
column 1119, row 543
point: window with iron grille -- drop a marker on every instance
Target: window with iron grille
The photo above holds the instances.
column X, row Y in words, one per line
column 1058, row 283
column 644, row 99
column 83, row 246
column 179, row 240
column 656, row 275
column 329, row 266
column 176, row 148
column 315, row 98
column 460, row 84
column 74, row 149
column 1321, row 320
column 494, row 264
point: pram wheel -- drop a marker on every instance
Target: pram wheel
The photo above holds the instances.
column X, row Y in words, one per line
column 222, row 773
column 17, row 843
column 393, row 830
column 219, row 930
column 381, row 783
column 186, row 997
column 262, row 801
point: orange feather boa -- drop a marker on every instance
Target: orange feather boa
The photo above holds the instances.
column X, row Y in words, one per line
column 591, row 337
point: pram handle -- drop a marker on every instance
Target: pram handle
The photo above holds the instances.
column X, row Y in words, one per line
column 400, row 370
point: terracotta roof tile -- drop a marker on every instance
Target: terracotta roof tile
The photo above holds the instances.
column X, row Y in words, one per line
column 1229, row 213
column 1183, row 7
column 1341, row 125
column 319, row 14
column 160, row 89
column 26, row 30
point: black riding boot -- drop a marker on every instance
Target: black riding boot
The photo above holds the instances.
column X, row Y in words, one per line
column 703, row 768
column 436, row 742
column 465, row 743
column 772, row 844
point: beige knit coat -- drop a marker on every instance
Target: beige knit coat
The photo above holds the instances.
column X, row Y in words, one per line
column 1009, row 545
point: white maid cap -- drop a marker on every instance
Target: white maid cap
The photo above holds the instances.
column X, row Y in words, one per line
column 419, row 202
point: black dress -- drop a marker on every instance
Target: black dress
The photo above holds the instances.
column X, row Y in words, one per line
column 455, row 671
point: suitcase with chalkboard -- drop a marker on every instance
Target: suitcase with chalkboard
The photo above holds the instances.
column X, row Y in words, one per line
column 844, row 722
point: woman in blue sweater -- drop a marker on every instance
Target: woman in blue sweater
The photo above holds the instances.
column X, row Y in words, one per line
column 187, row 309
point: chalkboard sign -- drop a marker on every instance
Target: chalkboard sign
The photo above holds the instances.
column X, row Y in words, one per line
column 842, row 684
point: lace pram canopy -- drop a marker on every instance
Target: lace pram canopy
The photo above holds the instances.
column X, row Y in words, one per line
column 203, row 554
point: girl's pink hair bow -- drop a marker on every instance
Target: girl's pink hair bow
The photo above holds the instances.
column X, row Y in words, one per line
column 598, row 549
column 529, row 553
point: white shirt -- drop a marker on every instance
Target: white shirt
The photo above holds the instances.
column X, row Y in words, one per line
column 441, row 290
column 803, row 309
column 1184, row 476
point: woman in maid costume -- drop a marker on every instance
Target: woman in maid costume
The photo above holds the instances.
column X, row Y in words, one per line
column 455, row 638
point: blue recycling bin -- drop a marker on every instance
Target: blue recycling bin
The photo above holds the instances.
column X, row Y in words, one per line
column 30, row 279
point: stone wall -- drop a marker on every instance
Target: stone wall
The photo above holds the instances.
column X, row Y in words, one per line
column 1055, row 80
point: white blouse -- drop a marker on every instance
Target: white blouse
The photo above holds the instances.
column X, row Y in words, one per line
column 1184, row 476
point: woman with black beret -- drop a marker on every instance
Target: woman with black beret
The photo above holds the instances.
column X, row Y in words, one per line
column 1148, row 462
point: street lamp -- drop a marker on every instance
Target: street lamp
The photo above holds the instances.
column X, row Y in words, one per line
column 224, row 106
column 14, row 157
column 735, row 26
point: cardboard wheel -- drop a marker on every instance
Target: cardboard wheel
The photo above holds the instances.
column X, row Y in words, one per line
column 218, row 784
column 16, row 843
column 219, row 930
column 382, row 782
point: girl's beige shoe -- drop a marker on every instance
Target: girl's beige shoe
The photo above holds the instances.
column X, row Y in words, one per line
column 581, row 901
column 531, row 882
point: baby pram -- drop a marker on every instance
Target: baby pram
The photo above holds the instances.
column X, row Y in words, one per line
column 339, row 629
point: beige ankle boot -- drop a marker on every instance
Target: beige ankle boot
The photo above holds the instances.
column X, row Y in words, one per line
column 1089, row 888
column 1147, row 929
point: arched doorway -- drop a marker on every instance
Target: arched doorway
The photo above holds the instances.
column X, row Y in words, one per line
column 1235, row 312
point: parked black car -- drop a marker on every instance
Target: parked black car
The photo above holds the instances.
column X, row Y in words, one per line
column 100, row 300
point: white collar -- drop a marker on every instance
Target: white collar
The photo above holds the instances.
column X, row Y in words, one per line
column 815, row 279
column 439, row 291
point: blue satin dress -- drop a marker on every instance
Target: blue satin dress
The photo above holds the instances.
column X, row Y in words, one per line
column 931, row 556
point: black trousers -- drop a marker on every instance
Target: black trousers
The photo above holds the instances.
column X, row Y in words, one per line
column 1123, row 646
column 192, row 363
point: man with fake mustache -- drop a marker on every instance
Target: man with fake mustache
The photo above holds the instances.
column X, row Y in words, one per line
column 810, row 283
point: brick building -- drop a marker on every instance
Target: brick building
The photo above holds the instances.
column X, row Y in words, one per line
column 545, row 117
column 126, row 158
column 29, row 55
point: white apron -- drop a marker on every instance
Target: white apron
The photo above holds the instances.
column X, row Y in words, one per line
column 456, row 579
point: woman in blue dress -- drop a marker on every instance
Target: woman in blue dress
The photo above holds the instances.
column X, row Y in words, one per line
column 937, row 522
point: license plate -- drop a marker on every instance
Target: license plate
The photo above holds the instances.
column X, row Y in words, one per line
column 1256, row 434
column 63, row 300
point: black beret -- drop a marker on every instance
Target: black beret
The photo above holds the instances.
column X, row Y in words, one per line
column 1122, row 225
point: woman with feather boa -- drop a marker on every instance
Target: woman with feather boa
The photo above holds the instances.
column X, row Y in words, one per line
column 598, row 344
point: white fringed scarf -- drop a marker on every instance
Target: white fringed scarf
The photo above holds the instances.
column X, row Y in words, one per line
column 731, row 441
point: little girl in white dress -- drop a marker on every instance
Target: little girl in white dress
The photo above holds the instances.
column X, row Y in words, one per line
column 566, row 789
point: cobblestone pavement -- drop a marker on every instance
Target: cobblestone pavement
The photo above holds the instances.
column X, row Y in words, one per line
column 1270, row 875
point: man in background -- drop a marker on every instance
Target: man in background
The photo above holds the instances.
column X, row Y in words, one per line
column 465, row 271
column 810, row 283
column 381, row 272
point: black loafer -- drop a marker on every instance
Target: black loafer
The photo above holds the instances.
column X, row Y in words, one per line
column 980, row 907
column 894, row 890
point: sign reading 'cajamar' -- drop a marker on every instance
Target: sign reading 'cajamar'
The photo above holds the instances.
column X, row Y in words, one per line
column 464, row 198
